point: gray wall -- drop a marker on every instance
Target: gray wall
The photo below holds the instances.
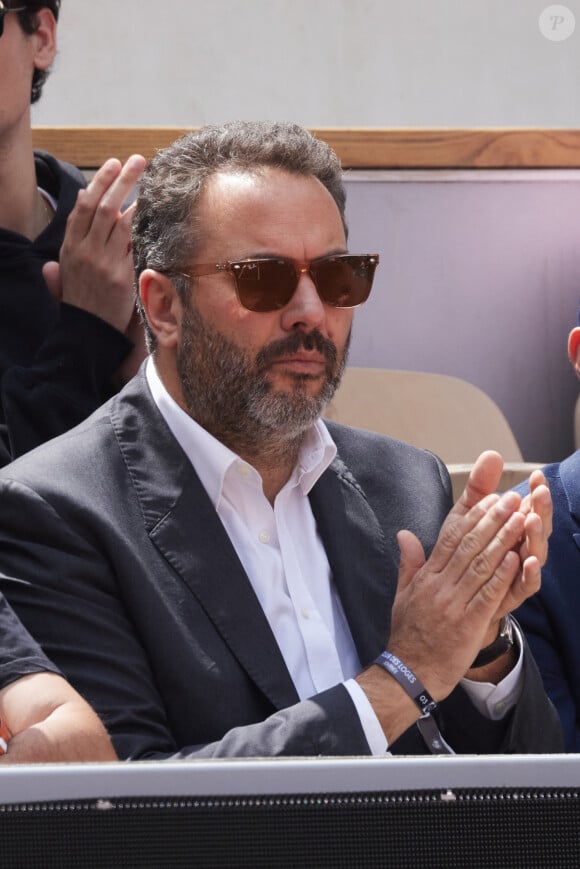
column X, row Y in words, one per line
column 319, row 62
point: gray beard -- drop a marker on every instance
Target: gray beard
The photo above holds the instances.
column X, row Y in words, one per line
column 228, row 393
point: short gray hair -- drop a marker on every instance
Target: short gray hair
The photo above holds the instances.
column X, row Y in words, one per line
column 165, row 230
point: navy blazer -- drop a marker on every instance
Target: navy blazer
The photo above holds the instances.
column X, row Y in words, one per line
column 117, row 562
column 551, row 619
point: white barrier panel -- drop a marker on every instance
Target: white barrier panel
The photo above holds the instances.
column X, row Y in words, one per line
column 48, row 782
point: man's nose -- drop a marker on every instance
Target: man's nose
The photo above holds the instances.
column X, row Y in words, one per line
column 305, row 309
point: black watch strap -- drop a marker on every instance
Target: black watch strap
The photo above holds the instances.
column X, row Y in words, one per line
column 502, row 643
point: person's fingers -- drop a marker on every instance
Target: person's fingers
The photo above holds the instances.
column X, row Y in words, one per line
column 412, row 556
column 107, row 212
column 464, row 536
column 51, row 275
column 543, row 507
column 531, row 580
column 467, row 558
column 81, row 217
column 527, row 582
column 119, row 241
column 109, row 206
column 483, row 479
column 537, row 478
column 128, row 213
column 535, row 539
column 97, row 209
column 488, row 561
column 488, row 580
column 479, row 494
column 539, row 509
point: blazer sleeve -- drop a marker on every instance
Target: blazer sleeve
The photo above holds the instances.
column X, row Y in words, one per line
column 20, row 655
column 64, row 591
column 549, row 622
column 531, row 727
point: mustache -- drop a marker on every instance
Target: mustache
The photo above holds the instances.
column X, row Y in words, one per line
column 297, row 341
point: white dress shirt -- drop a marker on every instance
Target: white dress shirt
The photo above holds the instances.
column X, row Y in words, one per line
column 284, row 558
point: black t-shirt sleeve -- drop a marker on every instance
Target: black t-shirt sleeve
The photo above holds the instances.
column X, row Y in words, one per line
column 20, row 655
column 70, row 377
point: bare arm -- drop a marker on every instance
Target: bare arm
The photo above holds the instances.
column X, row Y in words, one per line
column 49, row 722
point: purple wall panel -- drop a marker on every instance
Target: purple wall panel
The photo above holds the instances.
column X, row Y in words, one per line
column 479, row 278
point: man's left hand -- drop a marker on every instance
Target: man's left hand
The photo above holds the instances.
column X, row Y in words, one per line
column 533, row 546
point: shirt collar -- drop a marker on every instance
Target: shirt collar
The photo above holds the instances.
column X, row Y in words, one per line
column 211, row 459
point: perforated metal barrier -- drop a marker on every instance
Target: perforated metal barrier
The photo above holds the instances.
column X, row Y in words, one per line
column 429, row 813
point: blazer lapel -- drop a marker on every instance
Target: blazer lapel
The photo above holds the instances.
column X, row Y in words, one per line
column 193, row 540
column 184, row 526
column 363, row 568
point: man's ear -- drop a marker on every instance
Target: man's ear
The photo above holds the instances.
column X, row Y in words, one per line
column 44, row 38
column 162, row 307
column 574, row 349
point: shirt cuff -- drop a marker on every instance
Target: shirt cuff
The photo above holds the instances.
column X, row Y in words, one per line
column 370, row 723
column 495, row 701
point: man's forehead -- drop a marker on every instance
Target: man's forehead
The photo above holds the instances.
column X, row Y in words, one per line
column 232, row 182
column 235, row 182
column 261, row 207
column 267, row 192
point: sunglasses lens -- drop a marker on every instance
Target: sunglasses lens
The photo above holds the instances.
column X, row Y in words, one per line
column 344, row 281
column 264, row 285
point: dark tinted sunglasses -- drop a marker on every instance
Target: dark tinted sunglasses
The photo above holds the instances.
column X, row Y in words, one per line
column 4, row 12
column 343, row 280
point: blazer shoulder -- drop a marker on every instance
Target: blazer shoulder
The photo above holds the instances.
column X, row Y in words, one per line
column 364, row 447
column 407, row 487
column 569, row 472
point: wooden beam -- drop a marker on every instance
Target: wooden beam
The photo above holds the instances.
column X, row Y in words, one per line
column 362, row 148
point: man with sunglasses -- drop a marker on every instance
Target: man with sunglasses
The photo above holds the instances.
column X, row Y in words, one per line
column 221, row 567
column 66, row 337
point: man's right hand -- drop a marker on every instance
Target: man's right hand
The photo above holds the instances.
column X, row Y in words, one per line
column 96, row 268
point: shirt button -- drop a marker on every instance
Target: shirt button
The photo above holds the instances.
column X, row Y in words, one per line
column 304, row 613
column 243, row 470
column 499, row 707
column 264, row 536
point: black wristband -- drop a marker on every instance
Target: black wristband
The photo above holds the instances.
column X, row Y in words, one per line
column 501, row 644
column 411, row 683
